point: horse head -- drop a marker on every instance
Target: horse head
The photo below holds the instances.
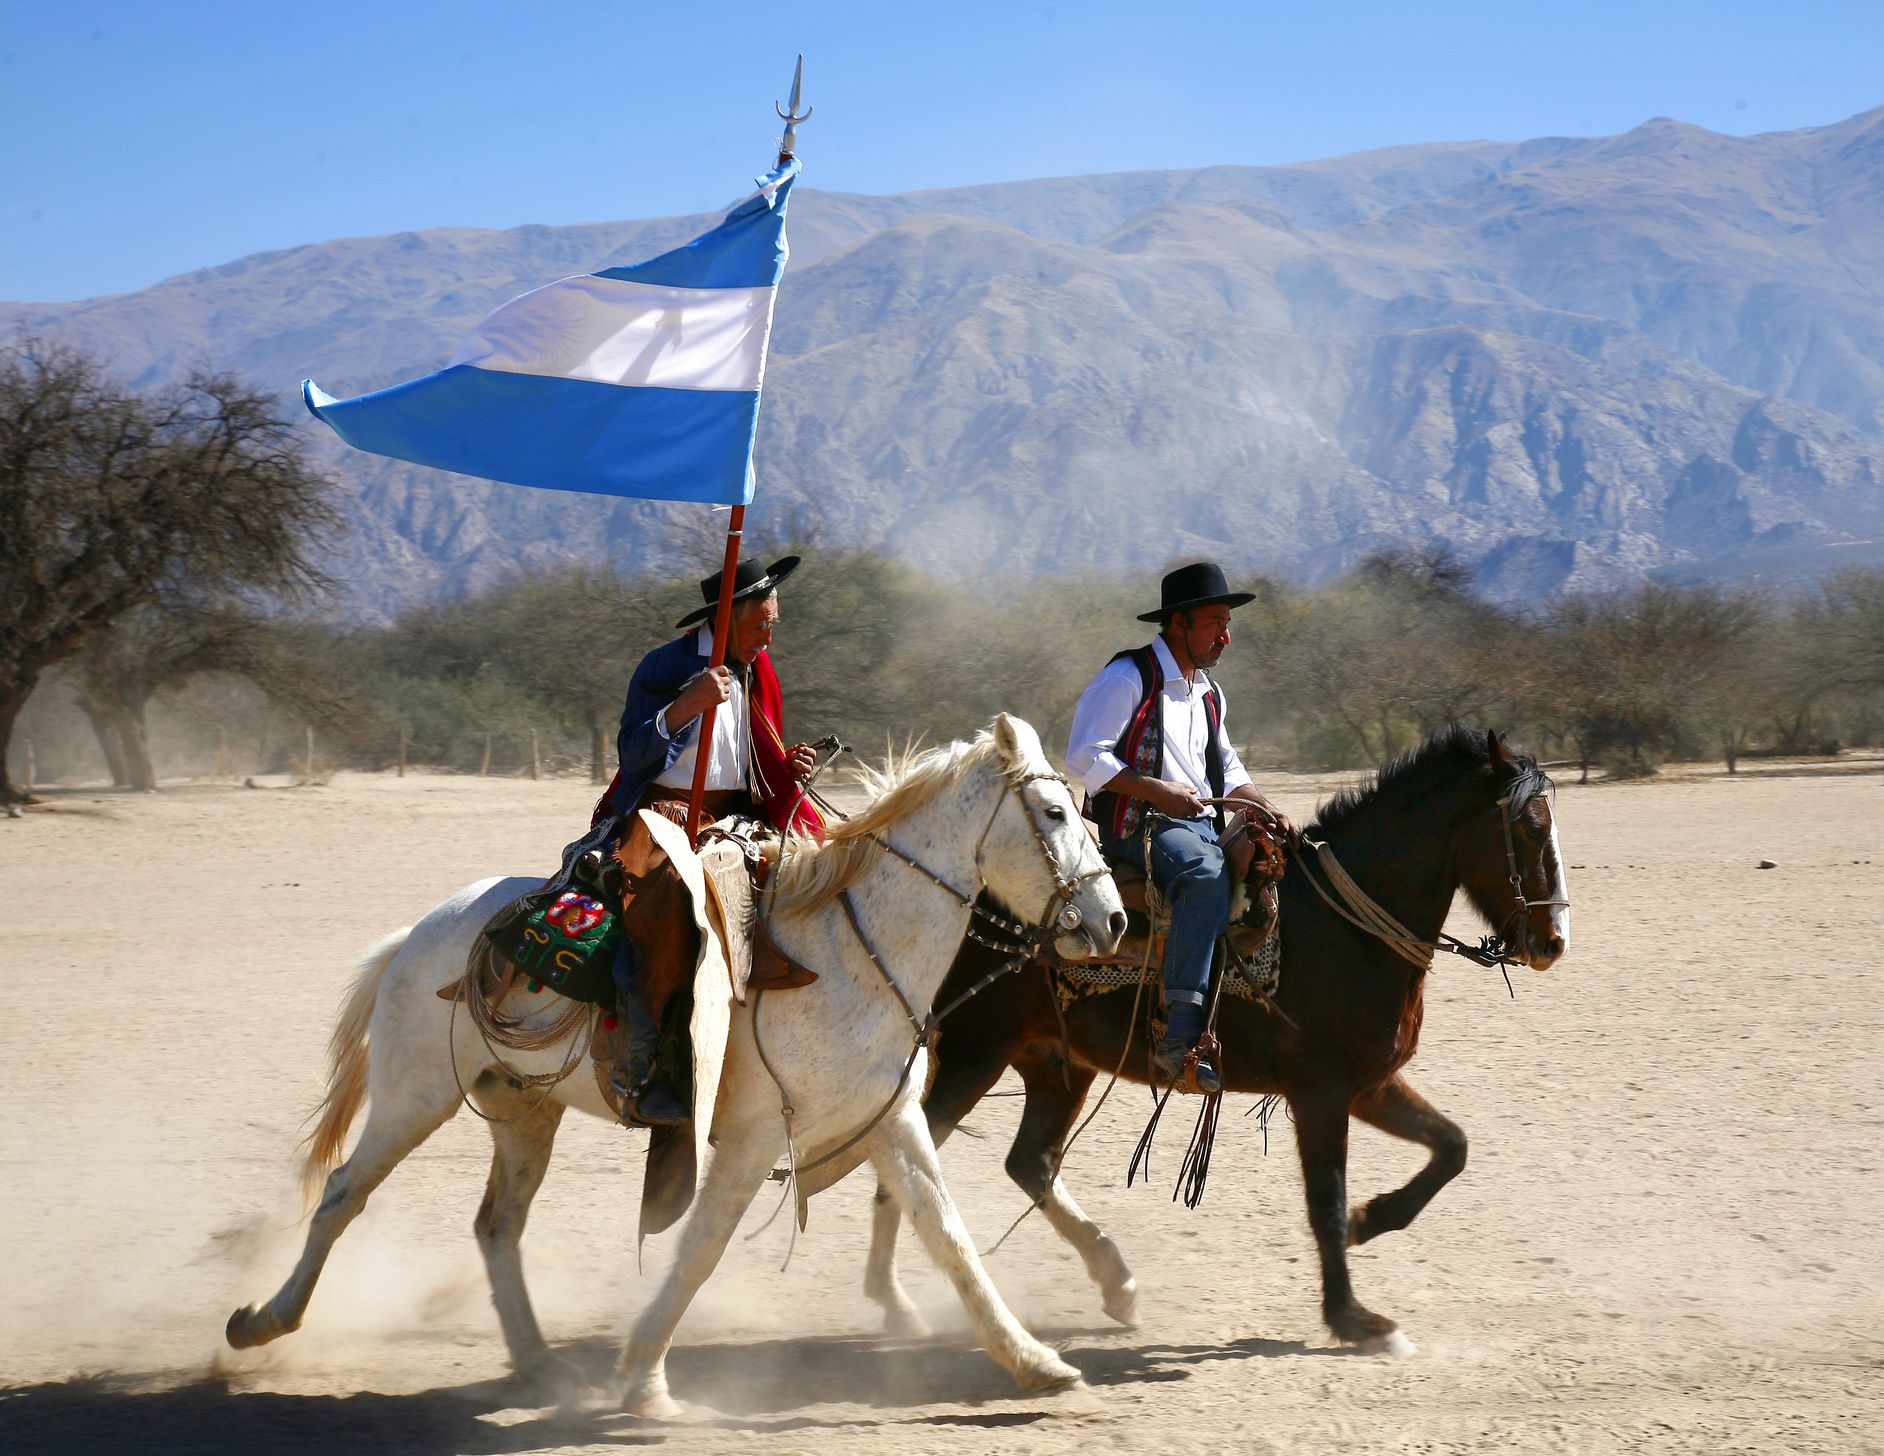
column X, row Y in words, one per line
column 1037, row 856
column 1509, row 861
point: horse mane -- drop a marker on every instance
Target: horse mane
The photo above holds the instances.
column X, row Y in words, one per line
column 810, row 873
column 1451, row 751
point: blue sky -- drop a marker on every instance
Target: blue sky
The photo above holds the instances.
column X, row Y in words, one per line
column 147, row 139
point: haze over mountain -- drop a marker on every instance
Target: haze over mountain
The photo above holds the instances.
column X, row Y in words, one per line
column 1577, row 361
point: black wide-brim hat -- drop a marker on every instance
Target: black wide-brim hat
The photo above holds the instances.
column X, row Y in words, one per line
column 1201, row 584
column 749, row 580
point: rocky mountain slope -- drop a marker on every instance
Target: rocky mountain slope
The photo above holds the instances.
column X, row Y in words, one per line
column 1576, row 360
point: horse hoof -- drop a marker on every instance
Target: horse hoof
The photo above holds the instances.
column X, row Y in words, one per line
column 247, row 1329
column 656, row 1406
column 904, row 1323
column 1394, row 1343
column 1050, row 1375
column 550, row 1375
column 1121, row 1304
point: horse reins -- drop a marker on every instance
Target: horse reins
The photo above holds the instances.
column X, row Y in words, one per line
column 1059, row 911
column 1365, row 913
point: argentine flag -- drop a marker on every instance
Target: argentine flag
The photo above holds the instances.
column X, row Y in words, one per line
column 640, row 381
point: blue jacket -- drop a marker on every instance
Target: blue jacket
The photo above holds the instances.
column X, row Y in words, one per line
column 643, row 753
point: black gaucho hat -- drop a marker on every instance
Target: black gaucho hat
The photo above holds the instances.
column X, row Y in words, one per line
column 1201, row 584
column 749, row 580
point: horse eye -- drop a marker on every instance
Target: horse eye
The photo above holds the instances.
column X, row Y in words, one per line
column 1054, row 811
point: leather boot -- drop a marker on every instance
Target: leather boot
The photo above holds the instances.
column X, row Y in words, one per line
column 1168, row 1057
column 1184, row 1026
column 644, row 1098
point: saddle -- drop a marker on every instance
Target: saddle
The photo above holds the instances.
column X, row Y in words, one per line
column 738, row 862
column 1148, row 914
column 735, row 857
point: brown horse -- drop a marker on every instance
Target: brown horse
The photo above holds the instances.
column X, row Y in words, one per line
column 1462, row 811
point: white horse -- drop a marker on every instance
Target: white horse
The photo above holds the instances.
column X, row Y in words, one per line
column 991, row 814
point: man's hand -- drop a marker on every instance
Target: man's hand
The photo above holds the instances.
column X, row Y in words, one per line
column 710, row 688
column 1175, row 800
column 1266, row 811
column 803, row 758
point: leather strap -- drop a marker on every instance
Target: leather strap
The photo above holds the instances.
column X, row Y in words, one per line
column 772, row 969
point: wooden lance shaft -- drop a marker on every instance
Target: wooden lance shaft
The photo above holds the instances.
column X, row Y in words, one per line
column 722, row 630
column 735, row 528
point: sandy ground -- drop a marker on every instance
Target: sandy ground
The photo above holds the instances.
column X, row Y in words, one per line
column 1667, row 1238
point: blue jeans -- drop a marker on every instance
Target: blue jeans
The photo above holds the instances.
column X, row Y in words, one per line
column 1188, row 866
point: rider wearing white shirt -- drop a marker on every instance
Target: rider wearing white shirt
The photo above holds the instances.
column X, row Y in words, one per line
column 1149, row 743
column 732, row 734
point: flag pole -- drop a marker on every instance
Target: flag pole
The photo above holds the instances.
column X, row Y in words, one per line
column 735, row 530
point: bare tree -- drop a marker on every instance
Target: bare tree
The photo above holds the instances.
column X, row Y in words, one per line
column 1632, row 666
column 1842, row 627
column 1384, row 656
column 150, row 649
column 109, row 500
column 568, row 637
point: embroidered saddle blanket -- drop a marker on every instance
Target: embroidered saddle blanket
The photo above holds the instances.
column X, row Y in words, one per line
column 1254, row 935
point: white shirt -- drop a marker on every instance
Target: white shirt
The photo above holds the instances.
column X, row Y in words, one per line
column 1105, row 711
column 732, row 732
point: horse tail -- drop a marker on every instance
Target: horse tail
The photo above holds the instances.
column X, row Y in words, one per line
column 346, row 1073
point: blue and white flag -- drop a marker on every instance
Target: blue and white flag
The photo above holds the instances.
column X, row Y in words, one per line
column 640, row 381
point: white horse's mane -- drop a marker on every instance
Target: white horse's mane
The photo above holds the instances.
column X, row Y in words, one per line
column 811, row 874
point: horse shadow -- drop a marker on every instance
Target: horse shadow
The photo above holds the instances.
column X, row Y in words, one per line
column 764, row 1386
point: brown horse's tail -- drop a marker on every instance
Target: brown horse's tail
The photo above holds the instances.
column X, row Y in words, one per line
column 346, row 1072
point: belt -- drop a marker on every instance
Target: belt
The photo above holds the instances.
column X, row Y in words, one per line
column 717, row 804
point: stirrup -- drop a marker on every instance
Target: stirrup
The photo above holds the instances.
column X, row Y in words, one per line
column 641, row 1107
column 1184, row 1065
column 1207, row 1053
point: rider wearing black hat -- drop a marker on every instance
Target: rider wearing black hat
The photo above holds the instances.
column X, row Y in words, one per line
column 751, row 770
column 1148, row 741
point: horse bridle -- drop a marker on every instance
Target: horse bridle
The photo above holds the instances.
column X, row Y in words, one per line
column 1491, row 950
column 1509, row 809
column 1060, row 912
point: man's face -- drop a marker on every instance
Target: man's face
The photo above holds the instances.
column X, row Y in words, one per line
column 1205, row 632
column 752, row 628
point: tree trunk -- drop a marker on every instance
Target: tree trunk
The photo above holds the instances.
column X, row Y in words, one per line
column 484, row 768
column 10, row 708
column 143, row 777
column 402, row 751
column 598, row 747
column 105, row 727
column 536, row 758
column 1733, row 754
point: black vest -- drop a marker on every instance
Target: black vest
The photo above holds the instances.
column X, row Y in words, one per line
column 1141, row 745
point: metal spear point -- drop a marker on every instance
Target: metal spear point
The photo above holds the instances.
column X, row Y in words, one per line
column 791, row 116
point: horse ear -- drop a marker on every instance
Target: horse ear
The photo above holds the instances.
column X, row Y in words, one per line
column 1005, row 738
column 1501, row 757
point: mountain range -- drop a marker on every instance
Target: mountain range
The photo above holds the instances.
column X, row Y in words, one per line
column 1576, row 361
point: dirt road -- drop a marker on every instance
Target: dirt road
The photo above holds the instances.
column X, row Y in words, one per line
column 1667, row 1238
